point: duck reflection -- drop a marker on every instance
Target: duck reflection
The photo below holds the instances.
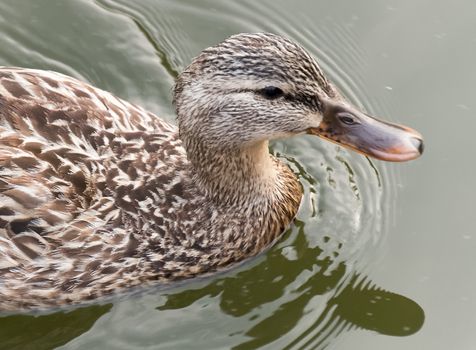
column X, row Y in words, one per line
column 358, row 304
column 285, row 286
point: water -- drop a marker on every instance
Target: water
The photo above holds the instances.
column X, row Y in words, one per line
column 381, row 256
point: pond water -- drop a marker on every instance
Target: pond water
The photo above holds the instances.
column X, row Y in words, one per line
column 381, row 255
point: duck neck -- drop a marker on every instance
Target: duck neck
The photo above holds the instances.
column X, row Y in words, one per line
column 247, row 175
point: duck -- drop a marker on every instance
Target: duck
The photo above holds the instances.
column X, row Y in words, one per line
column 98, row 195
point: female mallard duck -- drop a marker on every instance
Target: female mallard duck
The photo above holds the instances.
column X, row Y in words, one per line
column 97, row 194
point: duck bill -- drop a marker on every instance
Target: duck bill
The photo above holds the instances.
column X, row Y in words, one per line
column 346, row 126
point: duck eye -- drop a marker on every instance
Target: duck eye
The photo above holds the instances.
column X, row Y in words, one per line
column 272, row 92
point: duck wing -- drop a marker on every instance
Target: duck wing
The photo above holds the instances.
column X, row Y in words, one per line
column 55, row 133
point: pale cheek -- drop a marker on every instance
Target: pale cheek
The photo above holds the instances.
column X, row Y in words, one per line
column 295, row 121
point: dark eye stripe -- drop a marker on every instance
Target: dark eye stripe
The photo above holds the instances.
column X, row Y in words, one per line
column 273, row 92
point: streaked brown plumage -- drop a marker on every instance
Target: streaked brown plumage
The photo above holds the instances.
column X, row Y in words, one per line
column 98, row 195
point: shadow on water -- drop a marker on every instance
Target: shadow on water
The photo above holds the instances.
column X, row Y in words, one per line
column 358, row 305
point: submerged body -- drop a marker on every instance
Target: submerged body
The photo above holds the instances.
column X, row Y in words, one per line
column 98, row 195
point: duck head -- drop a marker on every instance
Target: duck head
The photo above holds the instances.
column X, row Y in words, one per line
column 255, row 87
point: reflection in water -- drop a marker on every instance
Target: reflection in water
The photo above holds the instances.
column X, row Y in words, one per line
column 366, row 306
column 359, row 304
column 48, row 331
column 373, row 308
